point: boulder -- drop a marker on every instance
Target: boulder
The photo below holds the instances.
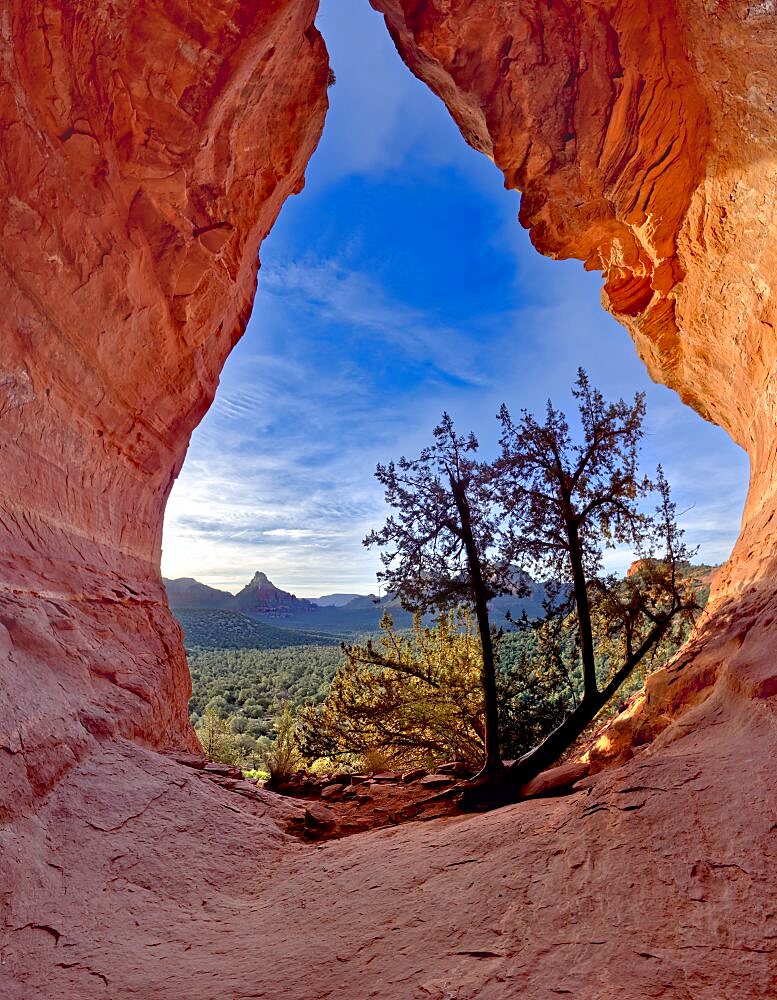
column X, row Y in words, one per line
column 335, row 779
column 436, row 780
column 319, row 818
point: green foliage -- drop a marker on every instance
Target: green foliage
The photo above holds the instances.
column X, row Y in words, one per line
column 255, row 685
column 216, row 737
column 376, row 717
column 257, row 773
column 258, row 758
column 536, row 692
column 415, row 698
column 463, row 532
column 284, row 758
column 541, row 678
column 248, row 689
column 443, row 547
column 566, row 501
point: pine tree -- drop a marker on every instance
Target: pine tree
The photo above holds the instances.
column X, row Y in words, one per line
column 566, row 502
column 441, row 546
column 216, row 737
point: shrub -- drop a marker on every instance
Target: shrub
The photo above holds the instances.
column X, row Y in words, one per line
column 284, row 758
column 216, row 737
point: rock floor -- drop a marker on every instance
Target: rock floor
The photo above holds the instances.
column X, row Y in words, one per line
column 136, row 879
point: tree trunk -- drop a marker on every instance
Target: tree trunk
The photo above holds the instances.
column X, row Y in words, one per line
column 493, row 761
column 555, row 743
column 572, row 728
column 583, row 614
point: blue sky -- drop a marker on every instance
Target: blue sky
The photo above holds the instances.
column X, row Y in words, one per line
column 398, row 284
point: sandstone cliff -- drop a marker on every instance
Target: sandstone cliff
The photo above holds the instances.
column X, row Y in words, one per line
column 146, row 151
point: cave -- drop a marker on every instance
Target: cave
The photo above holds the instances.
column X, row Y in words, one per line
column 146, row 155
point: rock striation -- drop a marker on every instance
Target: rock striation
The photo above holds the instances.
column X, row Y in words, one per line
column 147, row 149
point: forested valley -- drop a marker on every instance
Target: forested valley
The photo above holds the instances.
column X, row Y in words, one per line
column 248, row 673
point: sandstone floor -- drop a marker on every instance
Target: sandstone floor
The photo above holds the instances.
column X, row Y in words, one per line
column 655, row 881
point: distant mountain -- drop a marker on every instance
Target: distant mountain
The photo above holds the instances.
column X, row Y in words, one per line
column 333, row 600
column 261, row 597
column 186, row 592
column 509, row 604
column 360, row 615
column 343, row 616
column 340, row 615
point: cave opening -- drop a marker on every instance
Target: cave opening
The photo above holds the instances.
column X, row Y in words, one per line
column 396, row 285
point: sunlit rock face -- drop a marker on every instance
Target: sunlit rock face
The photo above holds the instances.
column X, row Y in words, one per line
column 643, row 138
column 146, row 151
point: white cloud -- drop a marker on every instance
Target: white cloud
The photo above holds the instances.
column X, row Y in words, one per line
column 279, row 476
column 337, row 372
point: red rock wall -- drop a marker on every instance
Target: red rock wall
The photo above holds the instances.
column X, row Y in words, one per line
column 146, row 151
column 643, row 139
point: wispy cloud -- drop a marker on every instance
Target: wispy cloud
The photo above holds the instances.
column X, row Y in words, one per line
column 341, row 295
column 279, row 476
column 397, row 285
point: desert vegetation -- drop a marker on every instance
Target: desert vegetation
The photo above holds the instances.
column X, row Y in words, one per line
column 470, row 684
column 249, row 689
column 463, row 531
